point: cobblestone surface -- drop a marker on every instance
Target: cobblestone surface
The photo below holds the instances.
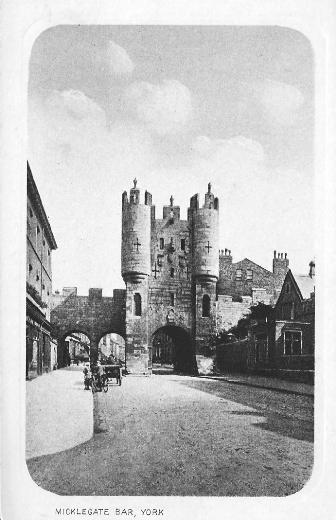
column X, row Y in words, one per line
column 171, row 435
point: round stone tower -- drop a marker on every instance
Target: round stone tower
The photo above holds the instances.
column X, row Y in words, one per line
column 204, row 228
column 136, row 230
column 205, row 236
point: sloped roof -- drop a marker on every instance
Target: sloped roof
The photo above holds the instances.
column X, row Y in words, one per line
column 249, row 262
column 306, row 284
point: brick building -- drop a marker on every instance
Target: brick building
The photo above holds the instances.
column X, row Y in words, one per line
column 180, row 289
column 41, row 349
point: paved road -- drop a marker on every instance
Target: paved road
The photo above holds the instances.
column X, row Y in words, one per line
column 171, row 435
column 58, row 412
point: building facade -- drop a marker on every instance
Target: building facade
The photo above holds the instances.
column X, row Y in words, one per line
column 41, row 348
column 294, row 323
column 281, row 339
column 180, row 288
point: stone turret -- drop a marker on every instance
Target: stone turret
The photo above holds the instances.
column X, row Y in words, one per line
column 204, row 234
column 136, row 225
column 204, row 227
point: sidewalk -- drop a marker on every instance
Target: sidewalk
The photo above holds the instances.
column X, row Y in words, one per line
column 59, row 412
column 271, row 383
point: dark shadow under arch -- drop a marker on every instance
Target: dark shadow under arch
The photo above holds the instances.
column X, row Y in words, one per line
column 172, row 345
column 63, row 355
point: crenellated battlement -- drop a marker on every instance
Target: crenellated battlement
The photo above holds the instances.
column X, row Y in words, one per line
column 134, row 197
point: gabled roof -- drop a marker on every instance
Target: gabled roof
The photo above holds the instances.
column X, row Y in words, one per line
column 303, row 283
column 306, row 284
column 247, row 260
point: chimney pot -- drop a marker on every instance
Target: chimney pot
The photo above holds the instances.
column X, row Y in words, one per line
column 281, row 256
column 274, row 253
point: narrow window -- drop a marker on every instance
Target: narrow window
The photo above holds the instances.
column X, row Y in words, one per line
column 293, row 311
column 37, row 277
column 238, row 274
column 172, row 272
column 296, row 343
column 31, row 213
column 206, row 306
column 249, row 274
column 43, row 242
column 38, row 229
column 43, row 286
column 287, row 288
column 172, row 299
column 48, row 252
column 182, row 244
column 161, row 243
column 137, row 304
column 292, row 343
column 30, row 268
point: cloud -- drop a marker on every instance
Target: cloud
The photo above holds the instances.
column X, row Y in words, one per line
column 118, row 61
column 279, row 101
column 233, row 147
column 164, row 108
column 74, row 103
column 69, row 129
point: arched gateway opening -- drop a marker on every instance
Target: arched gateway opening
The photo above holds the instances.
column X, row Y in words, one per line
column 111, row 349
column 74, row 349
column 172, row 349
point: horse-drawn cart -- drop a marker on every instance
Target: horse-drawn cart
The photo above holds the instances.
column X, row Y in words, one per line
column 111, row 372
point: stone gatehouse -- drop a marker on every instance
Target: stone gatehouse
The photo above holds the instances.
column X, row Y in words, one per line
column 180, row 288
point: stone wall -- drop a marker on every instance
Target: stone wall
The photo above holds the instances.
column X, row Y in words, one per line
column 246, row 277
column 93, row 315
column 229, row 312
column 137, row 342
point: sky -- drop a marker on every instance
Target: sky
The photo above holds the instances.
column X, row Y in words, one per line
column 176, row 107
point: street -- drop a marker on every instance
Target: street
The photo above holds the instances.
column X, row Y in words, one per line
column 180, row 435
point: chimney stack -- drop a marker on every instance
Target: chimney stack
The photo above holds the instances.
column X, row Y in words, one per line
column 312, row 268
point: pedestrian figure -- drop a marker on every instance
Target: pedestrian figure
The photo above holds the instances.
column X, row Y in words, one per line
column 86, row 379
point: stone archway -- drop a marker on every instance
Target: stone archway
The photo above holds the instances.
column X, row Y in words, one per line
column 112, row 348
column 69, row 340
column 172, row 345
column 93, row 315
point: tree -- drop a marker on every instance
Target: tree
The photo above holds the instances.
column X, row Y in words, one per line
column 259, row 312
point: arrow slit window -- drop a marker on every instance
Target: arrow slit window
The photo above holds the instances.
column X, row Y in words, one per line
column 137, row 304
column 206, row 306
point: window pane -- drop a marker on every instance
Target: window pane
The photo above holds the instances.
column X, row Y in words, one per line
column 296, row 347
column 288, row 344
